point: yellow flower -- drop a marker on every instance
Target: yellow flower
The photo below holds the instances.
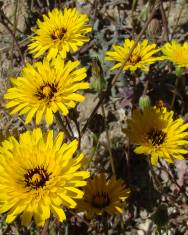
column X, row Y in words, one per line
column 102, row 195
column 176, row 53
column 157, row 134
column 59, row 33
column 39, row 176
column 44, row 88
column 141, row 57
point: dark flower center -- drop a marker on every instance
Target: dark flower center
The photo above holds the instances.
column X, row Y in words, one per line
column 46, row 91
column 157, row 137
column 134, row 59
column 36, row 178
column 100, row 200
column 58, row 34
column 160, row 104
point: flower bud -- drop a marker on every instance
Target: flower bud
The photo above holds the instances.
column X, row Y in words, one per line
column 97, row 80
column 154, row 28
column 144, row 102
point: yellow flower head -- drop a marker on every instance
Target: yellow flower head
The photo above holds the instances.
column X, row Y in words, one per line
column 176, row 53
column 44, row 88
column 102, row 195
column 141, row 57
column 39, row 176
column 59, row 33
column 157, row 134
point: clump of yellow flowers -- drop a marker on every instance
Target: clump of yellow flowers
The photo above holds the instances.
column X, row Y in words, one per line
column 49, row 174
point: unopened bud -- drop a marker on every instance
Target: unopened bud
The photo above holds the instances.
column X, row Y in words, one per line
column 144, row 102
column 96, row 68
column 97, row 80
column 154, row 28
column 179, row 71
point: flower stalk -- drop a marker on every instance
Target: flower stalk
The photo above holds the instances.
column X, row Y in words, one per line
column 62, row 126
column 108, row 142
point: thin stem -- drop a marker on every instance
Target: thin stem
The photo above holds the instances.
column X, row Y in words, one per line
column 22, row 43
column 105, row 93
column 101, row 98
column 108, row 141
column 133, row 7
column 62, row 126
column 93, row 151
column 2, row 21
column 66, row 228
column 69, row 126
column 165, row 21
column 127, row 158
column 155, row 177
column 173, row 181
column 159, row 230
column 74, row 119
column 146, row 84
column 9, row 22
column 178, row 18
column 174, row 94
column 169, row 8
column 105, row 224
column 45, row 228
column 78, row 216
column 14, row 30
column 78, row 130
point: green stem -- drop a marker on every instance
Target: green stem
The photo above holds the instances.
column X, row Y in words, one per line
column 94, row 149
column 159, row 230
column 66, row 225
column 178, row 79
column 108, row 141
column 45, row 228
column 14, row 30
column 69, row 126
column 62, row 126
